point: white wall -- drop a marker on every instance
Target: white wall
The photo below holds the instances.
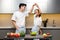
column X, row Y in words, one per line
column 47, row 6
column 9, row 6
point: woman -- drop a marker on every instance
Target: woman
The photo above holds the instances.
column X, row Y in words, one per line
column 37, row 19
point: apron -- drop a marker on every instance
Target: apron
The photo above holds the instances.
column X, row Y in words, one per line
column 35, row 29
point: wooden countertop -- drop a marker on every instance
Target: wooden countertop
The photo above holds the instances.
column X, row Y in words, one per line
column 31, row 27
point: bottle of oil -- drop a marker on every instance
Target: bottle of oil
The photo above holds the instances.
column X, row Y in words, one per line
column 54, row 25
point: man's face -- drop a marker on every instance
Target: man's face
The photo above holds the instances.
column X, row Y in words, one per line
column 23, row 8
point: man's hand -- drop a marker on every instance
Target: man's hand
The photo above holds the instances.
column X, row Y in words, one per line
column 14, row 23
column 40, row 31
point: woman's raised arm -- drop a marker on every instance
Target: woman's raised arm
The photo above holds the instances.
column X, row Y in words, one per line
column 38, row 7
column 31, row 9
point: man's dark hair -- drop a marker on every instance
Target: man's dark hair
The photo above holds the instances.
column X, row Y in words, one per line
column 22, row 4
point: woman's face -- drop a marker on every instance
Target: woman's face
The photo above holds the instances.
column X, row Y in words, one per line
column 36, row 12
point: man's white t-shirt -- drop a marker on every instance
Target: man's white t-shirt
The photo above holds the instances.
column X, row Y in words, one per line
column 19, row 17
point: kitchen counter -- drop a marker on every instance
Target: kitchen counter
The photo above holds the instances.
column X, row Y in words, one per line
column 55, row 31
column 51, row 28
column 46, row 28
column 31, row 27
column 28, row 36
column 6, row 28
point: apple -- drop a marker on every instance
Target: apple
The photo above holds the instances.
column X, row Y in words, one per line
column 33, row 33
column 17, row 35
column 45, row 35
column 8, row 34
column 11, row 34
column 48, row 33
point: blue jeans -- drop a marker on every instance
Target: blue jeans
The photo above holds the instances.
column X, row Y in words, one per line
column 20, row 30
column 35, row 29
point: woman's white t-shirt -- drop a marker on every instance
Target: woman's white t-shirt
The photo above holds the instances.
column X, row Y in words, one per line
column 37, row 20
column 19, row 17
column 37, row 24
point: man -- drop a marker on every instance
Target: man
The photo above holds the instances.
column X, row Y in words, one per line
column 18, row 19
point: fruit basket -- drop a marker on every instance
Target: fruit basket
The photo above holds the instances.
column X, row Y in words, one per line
column 13, row 35
column 32, row 35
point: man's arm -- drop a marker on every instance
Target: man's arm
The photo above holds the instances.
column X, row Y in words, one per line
column 14, row 23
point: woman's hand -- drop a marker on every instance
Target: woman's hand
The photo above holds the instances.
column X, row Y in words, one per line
column 36, row 5
column 32, row 8
column 41, row 31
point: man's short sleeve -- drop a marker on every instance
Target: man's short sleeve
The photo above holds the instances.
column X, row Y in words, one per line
column 13, row 17
column 27, row 13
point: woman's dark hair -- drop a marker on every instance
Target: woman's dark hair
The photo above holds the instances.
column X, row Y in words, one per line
column 21, row 4
column 38, row 12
